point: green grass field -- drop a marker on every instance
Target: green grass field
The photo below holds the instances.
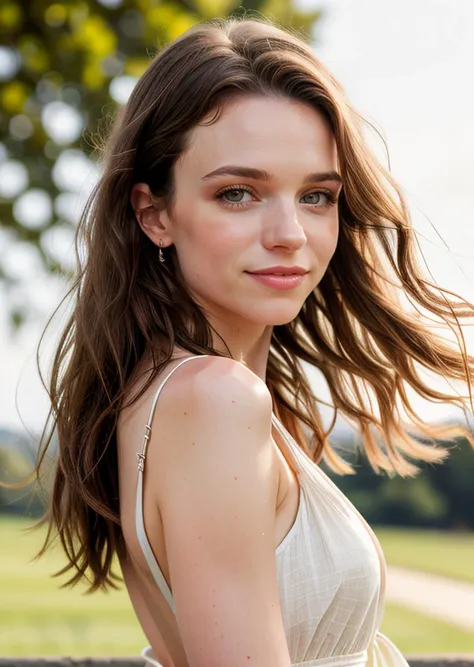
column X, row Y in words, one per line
column 449, row 554
column 415, row 633
column 38, row 618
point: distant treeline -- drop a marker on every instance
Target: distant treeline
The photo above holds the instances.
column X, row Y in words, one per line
column 17, row 462
column 441, row 496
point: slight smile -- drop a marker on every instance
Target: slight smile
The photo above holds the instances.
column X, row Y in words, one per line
column 280, row 277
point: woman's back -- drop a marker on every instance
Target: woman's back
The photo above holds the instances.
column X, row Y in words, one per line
column 153, row 612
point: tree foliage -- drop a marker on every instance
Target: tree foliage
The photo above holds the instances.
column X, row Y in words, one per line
column 442, row 496
column 64, row 66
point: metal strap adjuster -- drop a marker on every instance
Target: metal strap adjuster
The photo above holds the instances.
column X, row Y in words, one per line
column 140, row 461
column 141, row 456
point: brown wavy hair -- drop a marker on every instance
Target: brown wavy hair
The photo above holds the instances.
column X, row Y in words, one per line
column 355, row 328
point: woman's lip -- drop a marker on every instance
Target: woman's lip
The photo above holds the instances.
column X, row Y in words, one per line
column 279, row 282
column 285, row 270
column 280, row 272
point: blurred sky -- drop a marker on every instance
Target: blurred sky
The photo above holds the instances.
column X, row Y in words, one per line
column 407, row 66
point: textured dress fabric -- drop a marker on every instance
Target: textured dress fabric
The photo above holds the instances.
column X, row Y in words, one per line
column 330, row 569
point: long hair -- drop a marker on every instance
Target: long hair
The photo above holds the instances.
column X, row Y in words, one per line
column 355, row 327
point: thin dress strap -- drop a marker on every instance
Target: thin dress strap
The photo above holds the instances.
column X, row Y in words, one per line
column 140, row 525
column 291, row 447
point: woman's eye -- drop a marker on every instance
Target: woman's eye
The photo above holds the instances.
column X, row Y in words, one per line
column 319, row 198
column 234, row 196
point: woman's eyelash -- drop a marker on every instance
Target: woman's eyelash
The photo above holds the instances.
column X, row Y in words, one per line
column 237, row 188
column 232, row 188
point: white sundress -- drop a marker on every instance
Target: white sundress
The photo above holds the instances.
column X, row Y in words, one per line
column 331, row 571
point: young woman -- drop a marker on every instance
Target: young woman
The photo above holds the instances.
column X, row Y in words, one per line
column 240, row 227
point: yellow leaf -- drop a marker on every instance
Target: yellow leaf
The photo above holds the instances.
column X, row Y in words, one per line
column 77, row 14
column 11, row 15
column 55, row 15
column 180, row 24
column 161, row 16
column 14, row 96
column 285, row 13
column 92, row 75
column 33, row 53
column 136, row 66
column 208, row 9
column 93, row 34
column 144, row 5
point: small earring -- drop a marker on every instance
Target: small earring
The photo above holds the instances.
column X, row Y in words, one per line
column 160, row 252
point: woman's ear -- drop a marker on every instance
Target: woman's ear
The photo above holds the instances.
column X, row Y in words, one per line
column 150, row 216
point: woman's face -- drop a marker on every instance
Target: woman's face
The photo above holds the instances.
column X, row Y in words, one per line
column 255, row 190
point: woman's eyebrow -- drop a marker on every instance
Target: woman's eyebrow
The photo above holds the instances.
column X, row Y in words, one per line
column 262, row 175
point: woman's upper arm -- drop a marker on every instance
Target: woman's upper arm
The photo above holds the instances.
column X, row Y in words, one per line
column 217, row 484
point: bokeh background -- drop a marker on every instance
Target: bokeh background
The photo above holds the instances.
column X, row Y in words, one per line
column 65, row 69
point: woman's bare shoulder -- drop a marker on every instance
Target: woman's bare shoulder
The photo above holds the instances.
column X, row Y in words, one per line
column 213, row 376
column 204, row 385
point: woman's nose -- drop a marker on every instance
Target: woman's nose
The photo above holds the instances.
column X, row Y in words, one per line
column 282, row 227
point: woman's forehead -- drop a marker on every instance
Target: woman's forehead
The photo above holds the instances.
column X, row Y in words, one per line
column 262, row 131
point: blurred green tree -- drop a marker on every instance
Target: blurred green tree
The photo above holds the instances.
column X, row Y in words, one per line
column 441, row 496
column 65, row 66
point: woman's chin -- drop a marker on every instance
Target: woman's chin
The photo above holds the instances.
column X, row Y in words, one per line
column 274, row 316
